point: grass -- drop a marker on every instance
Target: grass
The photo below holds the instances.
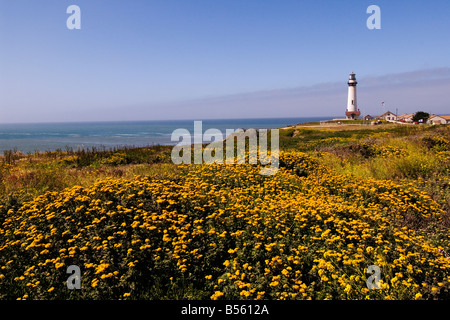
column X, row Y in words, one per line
column 416, row 155
column 345, row 197
column 34, row 174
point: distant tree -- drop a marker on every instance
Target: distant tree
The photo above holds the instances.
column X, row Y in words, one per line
column 420, row 115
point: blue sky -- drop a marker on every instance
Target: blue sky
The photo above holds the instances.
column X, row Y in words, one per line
column 199, row 59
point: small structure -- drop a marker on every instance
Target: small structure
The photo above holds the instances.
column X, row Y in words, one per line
column 434, row 119
column 405, row 117
column 352, row 112
column 368, row 117
column 388, row 116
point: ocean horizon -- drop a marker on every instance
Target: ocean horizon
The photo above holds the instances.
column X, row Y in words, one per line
column 41, row 137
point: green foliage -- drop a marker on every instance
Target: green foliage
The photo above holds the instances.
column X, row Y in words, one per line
column 357, row 197
column 420, row 116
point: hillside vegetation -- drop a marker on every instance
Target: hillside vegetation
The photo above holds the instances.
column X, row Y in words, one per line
column 140, row 227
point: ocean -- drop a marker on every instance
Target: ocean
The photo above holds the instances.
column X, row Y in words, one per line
column 40, row 137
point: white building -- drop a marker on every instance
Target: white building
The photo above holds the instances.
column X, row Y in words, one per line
column 433, row 119
column 352, row 112
column 388, row 116
column 405, row 117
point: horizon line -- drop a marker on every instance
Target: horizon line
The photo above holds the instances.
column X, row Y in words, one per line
column 150, row 120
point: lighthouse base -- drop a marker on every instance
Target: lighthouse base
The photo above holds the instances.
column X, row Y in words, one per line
column 352, row 115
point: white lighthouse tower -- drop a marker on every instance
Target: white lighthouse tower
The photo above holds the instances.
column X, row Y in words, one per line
column 352, row 112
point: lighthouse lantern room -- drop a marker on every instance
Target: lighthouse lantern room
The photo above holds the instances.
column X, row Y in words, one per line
column 352, row 112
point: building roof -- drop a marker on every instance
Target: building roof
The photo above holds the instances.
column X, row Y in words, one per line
column 447, row 117
column 388, row 112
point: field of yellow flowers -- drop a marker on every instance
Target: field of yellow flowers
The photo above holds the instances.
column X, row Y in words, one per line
column 227, row 232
